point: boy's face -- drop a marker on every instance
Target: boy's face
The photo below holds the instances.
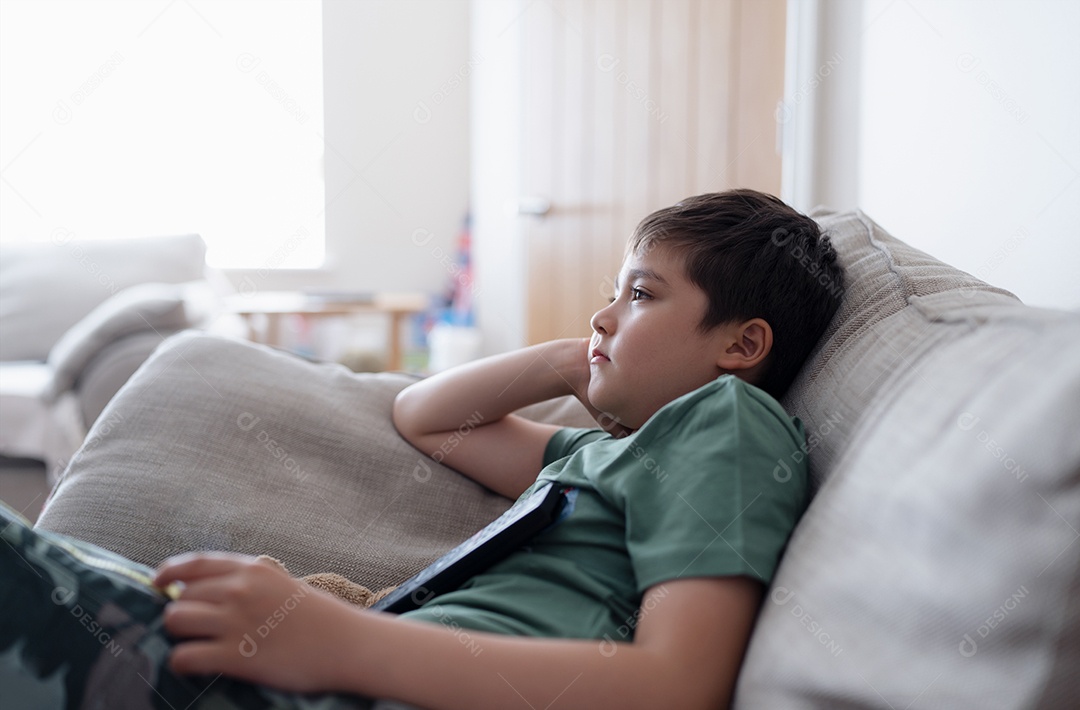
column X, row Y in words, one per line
column 646, row 348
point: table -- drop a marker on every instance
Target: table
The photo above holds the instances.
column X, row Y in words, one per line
column 276, row 305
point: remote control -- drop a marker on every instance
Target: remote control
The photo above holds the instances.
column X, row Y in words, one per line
column 493, row 543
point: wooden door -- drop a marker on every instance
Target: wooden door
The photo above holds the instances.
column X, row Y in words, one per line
column 629, row 106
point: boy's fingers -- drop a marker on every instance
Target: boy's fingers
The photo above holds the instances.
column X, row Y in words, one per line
column 192, row 619
column 192, row 566
column 213, row 590
column 198, row 658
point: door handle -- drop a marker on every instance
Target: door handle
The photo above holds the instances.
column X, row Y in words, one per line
column 533, row 205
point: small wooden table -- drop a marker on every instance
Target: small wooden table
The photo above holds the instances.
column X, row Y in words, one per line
column 275, row 305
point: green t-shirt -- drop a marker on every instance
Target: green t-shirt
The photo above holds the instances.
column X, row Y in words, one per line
column 711, row 485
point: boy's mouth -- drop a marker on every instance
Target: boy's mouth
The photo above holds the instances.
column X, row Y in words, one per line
column 597, row 357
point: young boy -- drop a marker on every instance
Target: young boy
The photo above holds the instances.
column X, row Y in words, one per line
column 645, row 590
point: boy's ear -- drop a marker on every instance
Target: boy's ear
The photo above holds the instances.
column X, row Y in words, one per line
column 747, row 344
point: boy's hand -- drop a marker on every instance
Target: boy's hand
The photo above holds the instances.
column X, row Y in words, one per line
column 466, row 417
column 250, row 620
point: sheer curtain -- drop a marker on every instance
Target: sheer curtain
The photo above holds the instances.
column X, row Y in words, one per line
column 128, row 118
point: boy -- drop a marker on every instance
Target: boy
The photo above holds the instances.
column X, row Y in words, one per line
column 645, row 590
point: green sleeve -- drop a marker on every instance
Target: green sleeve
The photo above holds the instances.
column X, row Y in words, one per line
column 710, row 503
column 568, row 440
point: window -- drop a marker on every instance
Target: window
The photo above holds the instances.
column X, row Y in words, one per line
column 122, row 118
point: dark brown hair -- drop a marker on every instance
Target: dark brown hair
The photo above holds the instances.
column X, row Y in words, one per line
column 755, row 257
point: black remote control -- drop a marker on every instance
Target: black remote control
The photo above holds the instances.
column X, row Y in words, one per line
column 493, row 543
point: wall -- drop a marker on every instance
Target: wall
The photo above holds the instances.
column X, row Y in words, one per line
column 496, row 176
column 954, row 126
column 397, row 146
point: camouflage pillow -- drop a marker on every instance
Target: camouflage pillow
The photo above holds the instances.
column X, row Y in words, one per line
column 82, row 626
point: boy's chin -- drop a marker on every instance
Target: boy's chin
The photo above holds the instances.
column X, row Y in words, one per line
column 608, row 409
column 616, row 410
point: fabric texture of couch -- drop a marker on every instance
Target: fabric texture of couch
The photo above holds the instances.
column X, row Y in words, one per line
column 250, row 449
column 935, row 567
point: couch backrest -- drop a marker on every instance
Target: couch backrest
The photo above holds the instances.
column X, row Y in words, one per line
column 45, row 288
column 879, row 333
column 937, row 565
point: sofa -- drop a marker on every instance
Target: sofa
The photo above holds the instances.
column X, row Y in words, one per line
column 77, row 318
column 936, row 566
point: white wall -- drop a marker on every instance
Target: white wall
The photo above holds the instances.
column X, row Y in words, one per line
column 955, row 126
column 397, row 146
column 498, row 239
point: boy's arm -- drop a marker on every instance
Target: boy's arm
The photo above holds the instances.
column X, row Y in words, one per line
column 689, row 644
column 250, row 620
column 462, row 417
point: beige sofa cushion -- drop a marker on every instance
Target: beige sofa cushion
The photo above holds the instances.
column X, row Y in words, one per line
column 937, row 565
column 216, row 444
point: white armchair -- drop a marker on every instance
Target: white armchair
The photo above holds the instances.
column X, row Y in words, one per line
column 77, row 318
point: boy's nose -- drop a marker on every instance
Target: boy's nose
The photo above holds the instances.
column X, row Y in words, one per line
column 602, row 322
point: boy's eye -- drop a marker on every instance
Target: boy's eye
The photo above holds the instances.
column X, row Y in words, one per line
column 636, row 294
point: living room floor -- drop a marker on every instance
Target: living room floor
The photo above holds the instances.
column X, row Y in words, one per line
column 23, row 485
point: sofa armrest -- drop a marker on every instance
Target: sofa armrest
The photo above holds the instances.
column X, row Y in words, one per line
column 225, row 445
column 111, row 368
column 73, row 412
column 151, row 307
